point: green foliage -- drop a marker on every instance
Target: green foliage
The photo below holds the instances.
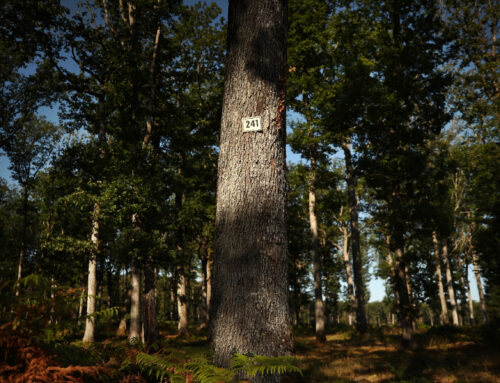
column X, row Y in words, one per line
column 247, row 365
column 42, row 312
column 254, row 365
column 205, row 372
column 158, row 366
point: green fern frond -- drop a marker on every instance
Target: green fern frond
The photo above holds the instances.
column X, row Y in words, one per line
column 254, row 365
column 205, row 372
column 157, row 366
column 106, row 313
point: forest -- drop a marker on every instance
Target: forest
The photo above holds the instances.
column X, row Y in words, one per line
column 152, row 228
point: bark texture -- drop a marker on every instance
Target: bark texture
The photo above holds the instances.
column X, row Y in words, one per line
column 22, row 250
column 134, row 335
column 205, row 283
column 482, row 300
column 348, row 269
column 357, row 264
column 401, row 285
column 319, row 308
column 449, row 284
column 443, row 318
column 88, row 336
column 151, row 331
column 182, row 307
column 249, row 309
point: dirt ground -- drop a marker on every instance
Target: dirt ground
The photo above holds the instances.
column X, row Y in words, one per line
column 380, row 359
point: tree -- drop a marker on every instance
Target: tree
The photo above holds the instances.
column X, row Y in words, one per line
column 29, row 151
column 249, row 309
column 408, row 109
column 26, row 46
column 306, row 46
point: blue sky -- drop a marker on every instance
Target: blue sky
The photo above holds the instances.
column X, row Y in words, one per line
column 376, row 286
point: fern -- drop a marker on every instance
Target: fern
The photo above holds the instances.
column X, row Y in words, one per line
column 254, row 365
column 205, row 372
column 250, row 365
column 159, row 367
column 106, row 313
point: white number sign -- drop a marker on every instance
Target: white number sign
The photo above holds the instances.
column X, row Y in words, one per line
column 252, row 124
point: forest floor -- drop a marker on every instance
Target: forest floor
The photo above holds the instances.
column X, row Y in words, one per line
column 445, row 355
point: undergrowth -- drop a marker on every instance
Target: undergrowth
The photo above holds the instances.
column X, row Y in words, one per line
column 39, row 342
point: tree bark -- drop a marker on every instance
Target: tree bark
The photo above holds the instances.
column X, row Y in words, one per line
column 449, row 284
column 392, row 270
column 134, row 335
column 469, row 293
column 405, row 307
column 443, row 318
column 249, row 309
column 464, row 304
column 182, row 308
column 357, row 264
column 151, row 331
column 319, row 308
column 204, row 307
column 210, row 263
column 22, row 250
column 350, row 284
column 88, row 336
column 482, row 301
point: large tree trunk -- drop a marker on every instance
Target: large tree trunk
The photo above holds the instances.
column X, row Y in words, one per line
column 357, row 264
column 449, row 284
column 249, row 310
column 151, row 331
column 88, row 336
column 134, row 335
column 443, row 318
column 319, row 308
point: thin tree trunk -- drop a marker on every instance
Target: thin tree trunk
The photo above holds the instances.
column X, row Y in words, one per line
column 88, row 336
column 465, row 308
column 173, row 296
column 449, row 284
column 151, row 331
column 405, row 307
column 80, row 305
column 126, row 295
column 443, row 318
column 361, row 324
column 204, row 284
column 209, row 281
column 22, row 250
column 319, row 308
column 480, row 290
column 249, row 309
column 469, row 293
column 350, row 284
column 182, row 308
column 392, row 270
column 134, row 335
